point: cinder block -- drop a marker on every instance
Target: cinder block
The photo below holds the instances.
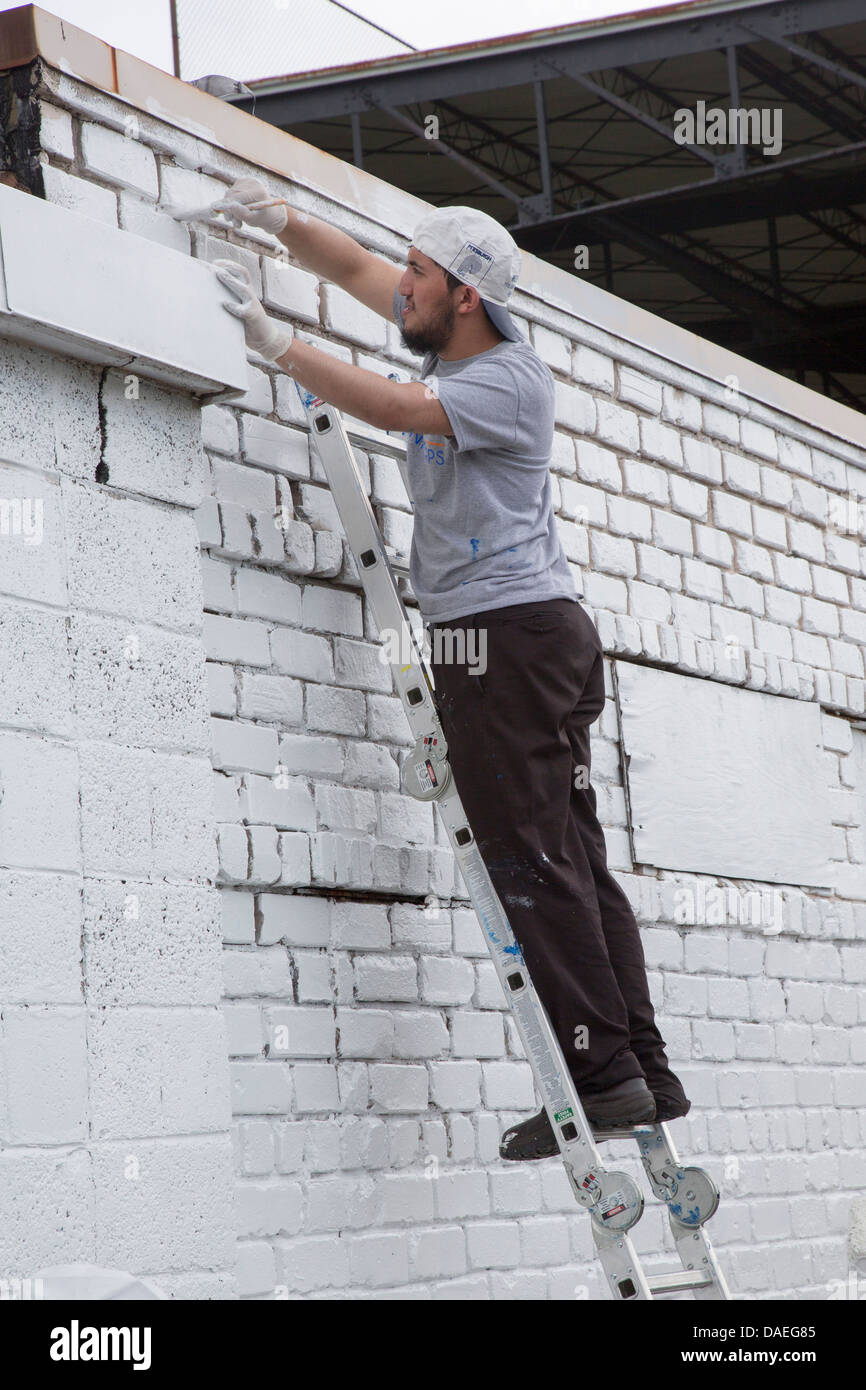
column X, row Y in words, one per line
column 35, row 674
column 177, row 1211
column 39, row 812
column 157, row 1072
column 46, row 1059
column 152, row 441
column 152, row 944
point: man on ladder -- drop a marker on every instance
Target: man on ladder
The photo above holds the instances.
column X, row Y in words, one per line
column 486, row 555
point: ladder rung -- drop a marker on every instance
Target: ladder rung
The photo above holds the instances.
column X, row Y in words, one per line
column 680, row 1279
column 622, row 1132
column 398, row 563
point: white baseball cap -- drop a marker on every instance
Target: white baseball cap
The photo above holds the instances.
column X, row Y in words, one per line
column 479, row 252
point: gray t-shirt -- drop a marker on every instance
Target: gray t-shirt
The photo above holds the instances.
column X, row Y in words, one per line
column 485, row 530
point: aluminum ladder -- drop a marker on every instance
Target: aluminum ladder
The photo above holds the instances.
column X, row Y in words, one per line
column 613, row 1199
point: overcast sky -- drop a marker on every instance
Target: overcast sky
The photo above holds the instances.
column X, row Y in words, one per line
column 143, row 27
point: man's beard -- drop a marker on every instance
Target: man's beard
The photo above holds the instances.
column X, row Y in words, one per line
column 435, row 336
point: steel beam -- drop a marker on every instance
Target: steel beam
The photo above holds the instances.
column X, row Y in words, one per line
column 404, row 81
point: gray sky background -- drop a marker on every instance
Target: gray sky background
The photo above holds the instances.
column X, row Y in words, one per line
column 142, row 27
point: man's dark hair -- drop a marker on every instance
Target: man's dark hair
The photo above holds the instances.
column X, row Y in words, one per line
column 451, row 280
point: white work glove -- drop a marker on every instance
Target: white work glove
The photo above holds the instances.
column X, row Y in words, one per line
column 263, row 335
column 239, row 205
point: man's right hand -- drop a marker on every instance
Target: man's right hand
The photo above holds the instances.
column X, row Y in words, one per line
column 239, row 205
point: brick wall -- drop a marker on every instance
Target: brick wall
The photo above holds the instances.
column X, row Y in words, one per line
column 372, row 1059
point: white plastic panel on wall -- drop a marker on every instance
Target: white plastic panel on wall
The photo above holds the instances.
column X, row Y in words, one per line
column 723, row 780
column 79, row 286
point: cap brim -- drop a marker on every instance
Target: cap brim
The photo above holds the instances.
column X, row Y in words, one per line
column 502, row 320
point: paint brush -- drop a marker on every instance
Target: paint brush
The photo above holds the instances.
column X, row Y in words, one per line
column 208, row 213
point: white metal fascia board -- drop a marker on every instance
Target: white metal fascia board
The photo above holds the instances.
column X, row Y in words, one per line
column 80, row 287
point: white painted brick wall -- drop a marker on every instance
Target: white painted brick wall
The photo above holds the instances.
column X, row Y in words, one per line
column 358, row 1030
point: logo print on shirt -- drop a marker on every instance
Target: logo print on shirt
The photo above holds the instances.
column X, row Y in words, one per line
column 434, row 449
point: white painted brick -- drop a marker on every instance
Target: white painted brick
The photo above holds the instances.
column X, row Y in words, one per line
column 232, row 640
column 264, row 595
column 613, row 554
column 514, row 1192
column 243, row 747
column 673, row 532
column 598, row 466
column 769, row 526
column 681, row 408
column 78, row 195
column 55, row 130
column 292, row 291
column 646, row 480
column 346, row 316
column 830, row 470
column 806, row 540
column 721, row 424
column 300, row 1032
column 732, row 513
column 119, row 159
column 758, row 439
column 574, row 408
column 552, row 348
column 398, row 1086
column 508, row 1085
column 259, row 395
column 656, row 566
column 455, row 1085
column 139, row 217
column 219, row 430
column 660, row 442
column 649, row 601
column 279, row 448
column 592, row 368
column 640, row 390
column 617, row 426
column 585, row 504
column 714, row 546
column 445, row 981
column 793, row 573
column 460, row 1195
column 689, row 497
column 742, row 474
column 702, row 460
column 265, row 862
column 316, row 1087
column 809, row 501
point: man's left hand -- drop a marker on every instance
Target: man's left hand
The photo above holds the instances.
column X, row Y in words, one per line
column 263, row 335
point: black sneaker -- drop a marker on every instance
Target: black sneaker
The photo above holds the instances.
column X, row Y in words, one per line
column 629, row 1103
column 669, row 1110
